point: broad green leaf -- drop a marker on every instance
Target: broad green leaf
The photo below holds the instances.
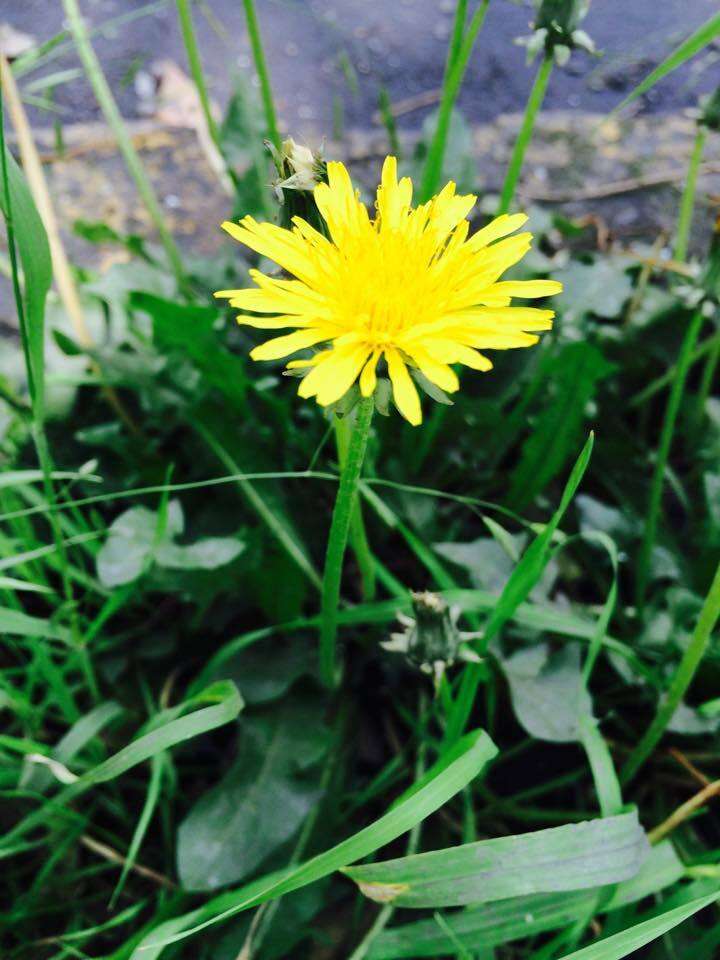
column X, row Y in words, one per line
column 260, row 802
column 547, row 690
column 571, row 857
column 696, row 42
column 600, row 288
column 19, row 210
column 191, row 330
column 438, row 785
column 131, row 545
column 493, row 924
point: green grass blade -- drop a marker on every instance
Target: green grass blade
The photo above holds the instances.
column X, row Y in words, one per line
column 493, row 924
column 439, row 784
column 696, row 42
column 623, row 944
column 27, row 237
column 571, row 857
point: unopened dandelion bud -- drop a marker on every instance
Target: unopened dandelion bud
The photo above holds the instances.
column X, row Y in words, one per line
column 300, row 170
column 556, row 30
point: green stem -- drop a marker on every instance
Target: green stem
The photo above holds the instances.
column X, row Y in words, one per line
column 666, row 438
column 338, row 538
column 706, row 382
column 358, row 535
column 105, row 99
column 457, row 61
column 680, row 682
column 193, row 55
column 535, row 100
column 262, row 70
column 687, row 204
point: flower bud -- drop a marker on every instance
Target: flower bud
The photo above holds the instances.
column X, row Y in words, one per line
column 300, row 169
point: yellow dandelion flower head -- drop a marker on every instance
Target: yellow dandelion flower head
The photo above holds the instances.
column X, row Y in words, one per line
column 409, row 286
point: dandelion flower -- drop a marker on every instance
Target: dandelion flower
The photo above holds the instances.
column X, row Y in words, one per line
column 409, row 288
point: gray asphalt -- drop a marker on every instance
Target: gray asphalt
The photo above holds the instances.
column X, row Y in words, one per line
column 398, row 43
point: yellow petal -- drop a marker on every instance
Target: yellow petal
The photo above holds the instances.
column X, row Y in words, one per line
column 497, row 228
column 271, row 323
column 404, row 392
column 393, row 198
column 526, row 288
column 283, row 346
column 269, row 240
column 333, row 376
column 440, row 374
column 368, row 377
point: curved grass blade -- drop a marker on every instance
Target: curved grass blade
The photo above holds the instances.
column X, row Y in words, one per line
column 26, row 235
column 450, row 775
column 218, row 704
column 627, row 941
column 702, row 37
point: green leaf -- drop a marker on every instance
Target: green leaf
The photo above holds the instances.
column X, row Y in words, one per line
column 573, row 377
column 443, row 781
column 260, row 802
column 19, row 624
column 600, row 288
column 548, row 694
column 191, row 330
column 131, row 545
column 571, row 857
column 530, row 569
column 24, row 223
column 213, row 707
column 490, row 925
column 696, row 42
column 622, row 944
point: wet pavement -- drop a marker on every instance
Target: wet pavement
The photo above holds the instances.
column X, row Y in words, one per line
column 329, row 58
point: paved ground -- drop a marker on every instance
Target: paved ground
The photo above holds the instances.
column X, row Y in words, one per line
column 399, row 43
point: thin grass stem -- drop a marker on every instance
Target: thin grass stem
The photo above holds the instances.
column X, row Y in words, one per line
column 338, row 538
column 457, row 61
column 262, row 70
column 687, row 204
column 193, row 54
column 109, row 107
column 532, row 107
column 666, row 438
column 681, row 680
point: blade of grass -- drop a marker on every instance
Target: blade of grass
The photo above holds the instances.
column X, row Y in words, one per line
column 687, row 204
column 519, row 585
column 682, row 679
column 661, row 460
column 262, row 70
column 458, row 56
column 697, row 41
column 571, row 857
column 445, row 779
column 105, row 99
column 627, row 941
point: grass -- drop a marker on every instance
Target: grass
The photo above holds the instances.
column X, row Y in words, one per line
column 187, row 772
